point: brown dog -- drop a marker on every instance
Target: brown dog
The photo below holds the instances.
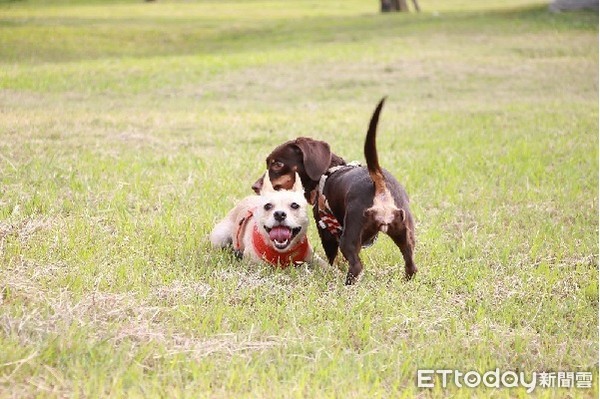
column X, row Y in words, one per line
column 310, row 158
column 352, row 203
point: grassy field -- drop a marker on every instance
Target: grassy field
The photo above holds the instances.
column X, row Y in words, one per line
column 127, row 129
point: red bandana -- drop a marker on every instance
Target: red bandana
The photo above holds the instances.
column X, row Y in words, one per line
column 327, row 220
column 294, row 255
column 330, row 223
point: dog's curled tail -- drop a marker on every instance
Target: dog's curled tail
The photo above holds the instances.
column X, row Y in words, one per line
column 371, row 151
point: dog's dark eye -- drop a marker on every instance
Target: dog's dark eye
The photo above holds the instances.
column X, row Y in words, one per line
column 294, row 205
column 276, row 165
column 268, row 207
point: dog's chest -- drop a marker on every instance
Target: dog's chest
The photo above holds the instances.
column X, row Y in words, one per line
column 266, row 252
column 342, row 194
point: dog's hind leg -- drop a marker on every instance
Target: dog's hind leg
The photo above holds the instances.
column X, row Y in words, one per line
column 405, row 241
column 350, row 246
column 221, row 235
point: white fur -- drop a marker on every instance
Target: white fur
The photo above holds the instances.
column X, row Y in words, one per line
column 222, row 234
column 225, row 232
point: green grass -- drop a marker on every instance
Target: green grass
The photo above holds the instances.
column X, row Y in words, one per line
column 128, row 129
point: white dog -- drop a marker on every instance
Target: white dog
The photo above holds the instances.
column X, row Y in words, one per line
column 268, row 227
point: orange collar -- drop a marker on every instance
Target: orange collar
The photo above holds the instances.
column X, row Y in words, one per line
column 283, row 259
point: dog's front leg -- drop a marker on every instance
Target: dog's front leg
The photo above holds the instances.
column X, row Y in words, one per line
column 328, row 240
column 248, row 251
column 330, row 245
column 350, row 246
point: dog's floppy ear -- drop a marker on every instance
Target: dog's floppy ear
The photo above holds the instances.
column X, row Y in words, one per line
column 297, row 188
column 258, row 184
column 316, row 156
column 267, row 186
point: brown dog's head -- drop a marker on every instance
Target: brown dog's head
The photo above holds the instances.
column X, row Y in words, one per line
column 309, row 158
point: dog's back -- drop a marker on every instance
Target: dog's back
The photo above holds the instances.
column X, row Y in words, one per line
column 223, row 233
column 372, row 189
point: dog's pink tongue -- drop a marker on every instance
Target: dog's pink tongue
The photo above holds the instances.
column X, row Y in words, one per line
column 280, row 233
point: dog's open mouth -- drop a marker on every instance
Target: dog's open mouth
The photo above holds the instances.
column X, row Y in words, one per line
column 281, row 236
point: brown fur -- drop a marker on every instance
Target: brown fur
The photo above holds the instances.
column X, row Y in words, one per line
column 365, row 201
column 310, row 158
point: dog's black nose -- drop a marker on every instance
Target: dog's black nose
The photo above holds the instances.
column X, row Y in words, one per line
column 279, row 216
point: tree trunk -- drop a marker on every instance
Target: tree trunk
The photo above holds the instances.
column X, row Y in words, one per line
column 386, row 5
column 567, row 5
column 397, row 5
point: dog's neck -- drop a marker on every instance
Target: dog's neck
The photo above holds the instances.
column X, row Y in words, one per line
column 296, row 254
